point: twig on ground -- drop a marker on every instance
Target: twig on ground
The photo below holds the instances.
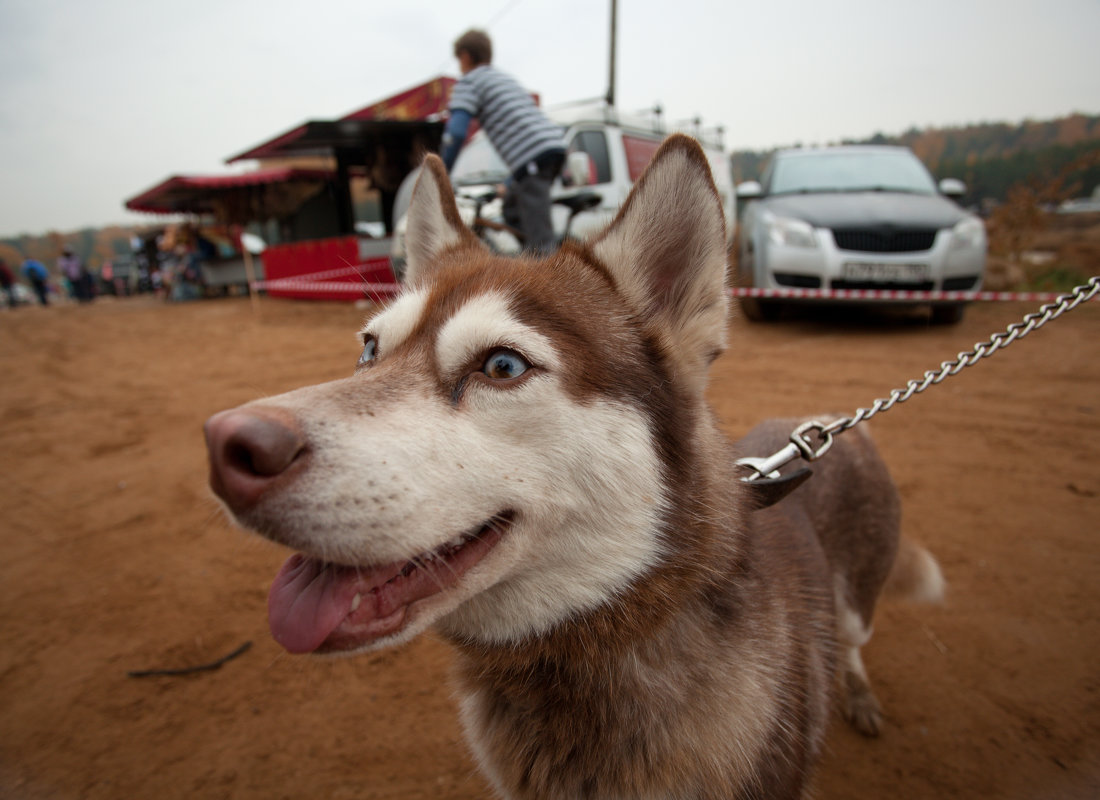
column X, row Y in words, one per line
column 934, row 639
column 145, row 673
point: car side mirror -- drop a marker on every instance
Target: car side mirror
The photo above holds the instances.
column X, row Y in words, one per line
column 952, row 187
column 578, row 169
column 749, row 190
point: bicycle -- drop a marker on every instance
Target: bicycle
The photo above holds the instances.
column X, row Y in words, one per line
column 484, row 227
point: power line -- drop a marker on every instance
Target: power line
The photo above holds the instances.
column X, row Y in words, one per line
column 445, row 65
column 501, row 14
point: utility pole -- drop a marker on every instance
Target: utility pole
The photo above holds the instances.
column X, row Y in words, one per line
column 611, row 77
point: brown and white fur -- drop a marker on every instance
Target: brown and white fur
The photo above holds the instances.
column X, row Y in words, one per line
column 524, row 460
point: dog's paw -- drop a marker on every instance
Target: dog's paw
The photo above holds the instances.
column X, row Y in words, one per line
column 861, row 708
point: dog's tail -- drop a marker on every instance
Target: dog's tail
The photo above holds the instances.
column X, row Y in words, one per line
column 915, row 576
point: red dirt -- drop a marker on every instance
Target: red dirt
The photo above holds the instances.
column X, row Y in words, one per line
column 114, row 557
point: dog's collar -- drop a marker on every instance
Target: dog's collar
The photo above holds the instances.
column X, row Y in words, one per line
column 769, row 490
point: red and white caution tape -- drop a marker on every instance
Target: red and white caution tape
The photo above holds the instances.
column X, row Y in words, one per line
column 319, row 282
column 895, row 294
column 339, row 272
column 339, row 287
column 351, row 288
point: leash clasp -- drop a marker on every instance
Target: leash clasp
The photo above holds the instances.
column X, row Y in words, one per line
column 799, row 446
column 800, row 439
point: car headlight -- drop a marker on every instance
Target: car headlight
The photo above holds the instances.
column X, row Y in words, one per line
column 789, row 231
column 968, row 234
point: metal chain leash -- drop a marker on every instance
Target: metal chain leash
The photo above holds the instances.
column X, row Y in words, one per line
column 801, row 444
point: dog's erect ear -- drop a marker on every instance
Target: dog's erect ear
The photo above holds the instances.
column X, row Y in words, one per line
column 433, row 224
column 666, row 251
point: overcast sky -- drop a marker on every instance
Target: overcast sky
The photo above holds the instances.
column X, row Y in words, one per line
column 101, row 99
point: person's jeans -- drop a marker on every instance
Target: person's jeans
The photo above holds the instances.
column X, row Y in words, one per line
column 532, row 197
column 529, row 197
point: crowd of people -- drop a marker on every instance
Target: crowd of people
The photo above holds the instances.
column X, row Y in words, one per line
column 71, row 279
column 167, row 264
column 37, row 276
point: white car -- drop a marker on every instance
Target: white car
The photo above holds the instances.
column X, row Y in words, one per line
column 856, row 217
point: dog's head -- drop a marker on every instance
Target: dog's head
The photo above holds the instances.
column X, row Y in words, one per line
column 503, row 456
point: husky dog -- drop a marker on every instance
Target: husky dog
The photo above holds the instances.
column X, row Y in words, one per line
column 524, row 460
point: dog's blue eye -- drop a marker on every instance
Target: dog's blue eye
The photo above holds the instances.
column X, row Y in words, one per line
column 504, row 365
column 370, row 347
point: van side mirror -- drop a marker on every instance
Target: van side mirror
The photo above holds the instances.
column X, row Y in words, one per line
column 749, row 190
column 952, row 187
column 578, row 169
column 252, row 243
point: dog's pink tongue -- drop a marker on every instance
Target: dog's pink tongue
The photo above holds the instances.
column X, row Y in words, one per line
column 307, row 602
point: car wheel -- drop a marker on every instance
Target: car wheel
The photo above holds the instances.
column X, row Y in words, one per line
column 756, row 310
column 948, row 315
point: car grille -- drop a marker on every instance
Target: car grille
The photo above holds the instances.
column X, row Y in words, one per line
column 959, row 284
column 797, row 281
column 883, row 241
column 923, row 286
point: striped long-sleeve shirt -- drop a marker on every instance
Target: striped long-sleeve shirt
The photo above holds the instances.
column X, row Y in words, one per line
column 514, row 124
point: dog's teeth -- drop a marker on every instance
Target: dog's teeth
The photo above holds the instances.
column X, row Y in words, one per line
column 355, row 601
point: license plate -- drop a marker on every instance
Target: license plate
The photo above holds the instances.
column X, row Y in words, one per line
column 885, row 273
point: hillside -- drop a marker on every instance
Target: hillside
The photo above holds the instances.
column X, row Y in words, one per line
column 991, row 157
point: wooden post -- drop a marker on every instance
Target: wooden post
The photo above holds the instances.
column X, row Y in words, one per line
column 250, row 275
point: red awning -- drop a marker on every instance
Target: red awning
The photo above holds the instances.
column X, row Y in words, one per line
column 199, row 194
column 379, row 123
column 424, row 102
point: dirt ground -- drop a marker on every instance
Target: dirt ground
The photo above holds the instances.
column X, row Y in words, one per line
column 114, row 557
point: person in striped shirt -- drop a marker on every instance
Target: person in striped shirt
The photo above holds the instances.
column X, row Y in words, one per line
column 530, row 144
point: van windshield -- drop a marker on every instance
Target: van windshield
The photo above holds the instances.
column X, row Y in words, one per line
column 478, row 163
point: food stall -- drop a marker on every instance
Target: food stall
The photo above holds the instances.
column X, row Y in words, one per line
column 322, row 195
column 229, row 203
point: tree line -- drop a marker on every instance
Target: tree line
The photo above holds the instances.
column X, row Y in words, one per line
column 990, row 158
column 93, row 245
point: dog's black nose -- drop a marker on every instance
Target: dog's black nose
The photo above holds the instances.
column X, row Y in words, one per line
column 248, row 450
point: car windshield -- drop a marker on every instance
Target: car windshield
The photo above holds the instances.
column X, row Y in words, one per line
column 478, row 163
column 838, row 171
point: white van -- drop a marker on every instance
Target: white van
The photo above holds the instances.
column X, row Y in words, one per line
column 606, row 151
